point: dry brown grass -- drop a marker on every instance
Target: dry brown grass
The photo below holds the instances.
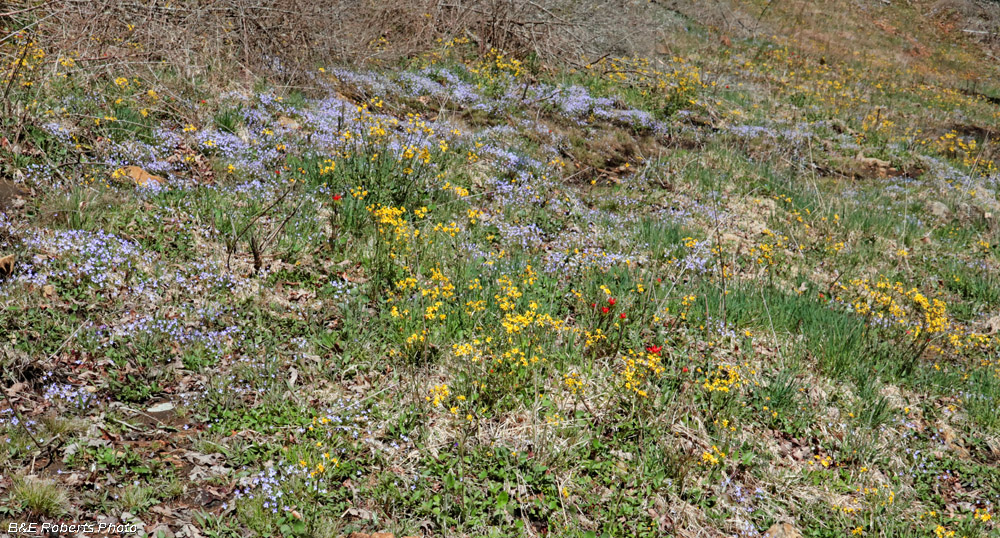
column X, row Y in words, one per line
column 216, row 40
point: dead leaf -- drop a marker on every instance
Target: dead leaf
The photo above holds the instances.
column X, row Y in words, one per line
column 354, row 279
column 161, row 408
column 191, row 531
column 48, row 291
column 163, row 510
column 7, row 266
column 207, row 460
column 16, row 388
column 359, row 513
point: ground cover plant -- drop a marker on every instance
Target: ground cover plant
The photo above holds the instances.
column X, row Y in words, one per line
column 745, row 282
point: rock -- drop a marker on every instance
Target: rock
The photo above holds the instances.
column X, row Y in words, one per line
column 872, row 161
column 782, row 530
column 840, row 127
column 952, row 440
column 993, row 324
column 139, row 176
column 882, row 168
column 938, row 209
column 10, row 193
column 769, row 204
column 289, row 123
column 972, row 212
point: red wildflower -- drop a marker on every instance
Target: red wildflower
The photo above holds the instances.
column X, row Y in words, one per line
column 655, row 350
column 605, row 309
column 685, row 369
column 611, row 301
column 622, row 315
column 336, row 197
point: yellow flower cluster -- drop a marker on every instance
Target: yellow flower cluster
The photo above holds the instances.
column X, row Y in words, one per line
column 713, row 457
column 676, row 85
column 497, row 65
column 439, row 394
column 724, row 378
column 639, row 368
column 573, row 382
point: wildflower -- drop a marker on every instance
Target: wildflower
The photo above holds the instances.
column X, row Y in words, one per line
column 713, row 457
column 605, row 310
column 655, row 350
column 336, row 197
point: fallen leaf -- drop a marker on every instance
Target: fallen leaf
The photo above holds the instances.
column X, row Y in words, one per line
column 16, row 388
column 6, row 266
column 207, row 460
column 161, row 408
column 359, row 513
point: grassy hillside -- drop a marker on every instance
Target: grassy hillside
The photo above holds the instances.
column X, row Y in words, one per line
column 745, row 280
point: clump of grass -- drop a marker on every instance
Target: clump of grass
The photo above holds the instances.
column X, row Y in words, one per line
column 228, row 119
column 137, row 498
column 39, row 497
